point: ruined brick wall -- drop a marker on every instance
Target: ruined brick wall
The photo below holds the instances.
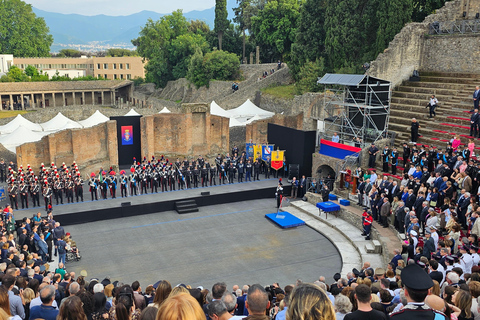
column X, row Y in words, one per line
column 191, row 133
column 91, row 148
column 411, row 48
column 257, row 131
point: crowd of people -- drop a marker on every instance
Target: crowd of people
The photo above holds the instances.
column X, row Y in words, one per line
column 413, row 290
column 54, row 184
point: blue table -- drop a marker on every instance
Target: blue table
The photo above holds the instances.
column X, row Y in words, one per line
column 328, row 206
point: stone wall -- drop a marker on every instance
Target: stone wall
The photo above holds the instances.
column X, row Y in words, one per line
column 191, row 133
column 451, row 53
column 257, row 131
column 91, row 148
column 405, row 52
column 238, row 137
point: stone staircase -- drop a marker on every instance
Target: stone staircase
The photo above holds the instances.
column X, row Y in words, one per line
column 454, row 93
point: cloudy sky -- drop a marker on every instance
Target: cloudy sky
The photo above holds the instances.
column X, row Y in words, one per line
column 119, row 7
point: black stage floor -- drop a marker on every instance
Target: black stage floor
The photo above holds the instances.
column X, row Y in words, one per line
column 91, row 211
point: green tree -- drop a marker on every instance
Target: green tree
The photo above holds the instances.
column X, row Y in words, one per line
column 308, row 76
column 153, row 44
column 117, row 52
column 70, row 53
column 274, row 28
column 17, row 74
column 21, row 32
column 196, row 73
column 181, row 49
column 309, row 42
column 422, row 8
column 232, row 40
column 199, row 27
column 221, row 20
column 392, row 15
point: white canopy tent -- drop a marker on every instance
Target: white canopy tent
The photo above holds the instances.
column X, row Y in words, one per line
column 17, row 122
column 235, row 123
column 93, row 120
column 132, row 113
column 59, row 122
column 18, row 137
column 165, row 110
column 216, row 110
column 248, row 110
column 255, row 118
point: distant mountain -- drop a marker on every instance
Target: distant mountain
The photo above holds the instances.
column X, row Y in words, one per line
column 100, row 31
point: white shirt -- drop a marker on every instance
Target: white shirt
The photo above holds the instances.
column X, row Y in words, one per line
column 476, row 259
column 433, row 101
column 466, row 262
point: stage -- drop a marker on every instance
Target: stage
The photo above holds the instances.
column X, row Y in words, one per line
column 91, row 211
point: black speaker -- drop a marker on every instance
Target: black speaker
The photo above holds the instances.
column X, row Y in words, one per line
column 293, row 171
column 206, row 193
column 126, row 204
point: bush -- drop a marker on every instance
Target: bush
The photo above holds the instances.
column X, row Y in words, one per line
column 216, row 65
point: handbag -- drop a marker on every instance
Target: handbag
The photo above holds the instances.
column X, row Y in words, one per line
column 433, row 203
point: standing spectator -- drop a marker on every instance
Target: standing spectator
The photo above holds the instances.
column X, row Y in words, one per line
column 16, row 306
column 309, row 302
column 138, row 296
column 335, row 138
column 474, row 122
column 62, row 251
column 71, row 309
column 432, row 105
column 46, row 310
column 372, row 155
column 294, row 188
column 476, row 97
column 414, row 130
column 363, row 295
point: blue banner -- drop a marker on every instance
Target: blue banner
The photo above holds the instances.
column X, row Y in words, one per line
column 249, row 150
column 3, row 195
column 267, row 152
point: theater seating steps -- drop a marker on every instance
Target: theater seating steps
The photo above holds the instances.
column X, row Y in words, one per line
column 454, row 93
column 186, row 206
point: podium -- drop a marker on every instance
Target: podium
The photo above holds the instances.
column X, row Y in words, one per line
column 354, row 185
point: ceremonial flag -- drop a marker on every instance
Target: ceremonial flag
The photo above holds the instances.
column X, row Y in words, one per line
column 249, row 150
column 257, row 152
column 267, row 152
column 277, row 159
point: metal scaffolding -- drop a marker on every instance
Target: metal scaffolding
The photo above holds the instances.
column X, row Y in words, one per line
column 356, row 107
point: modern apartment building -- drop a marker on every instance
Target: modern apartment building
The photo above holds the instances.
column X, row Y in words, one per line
column 112, row 68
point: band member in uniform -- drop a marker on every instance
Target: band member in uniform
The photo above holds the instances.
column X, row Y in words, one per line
column 57, row 190
column 279, row 194
column 112, row 184
column 12, row 193
column 123, row 184
column 47, row 195
column 204, row 176
column 93, row 186
column 70, row 184
column 213, row 175
column 35, row 192
column 78, row 187
column 248, row 171
column 133, row 182
column 23, row 194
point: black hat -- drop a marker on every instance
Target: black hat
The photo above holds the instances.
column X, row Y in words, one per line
column 415, row 278
column 337, row 276
column 450, row 258
column 356, row 272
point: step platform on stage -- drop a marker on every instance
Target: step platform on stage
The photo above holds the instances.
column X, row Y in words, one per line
column 285, row 220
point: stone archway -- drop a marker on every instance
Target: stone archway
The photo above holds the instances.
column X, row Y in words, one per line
column 323, row 171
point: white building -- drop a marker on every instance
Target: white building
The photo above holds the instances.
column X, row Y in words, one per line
column 6, row 61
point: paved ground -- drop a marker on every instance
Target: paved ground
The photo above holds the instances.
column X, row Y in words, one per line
column 233, row 243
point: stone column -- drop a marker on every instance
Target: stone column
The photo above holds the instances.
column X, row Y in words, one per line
column 11, row 102
column 32, row 103
column 93, row 97
column 43, row 100
column 73, row 95
column 258, row 54
column 63, row 98
column 21, row 99
column 54, row 100
column 103, row 98
column 83, row 97
column 251, row 57
column 112, row 97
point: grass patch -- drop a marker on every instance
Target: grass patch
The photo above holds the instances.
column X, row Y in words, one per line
column 284, row 92
column 178, row 101
column 11, row 113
